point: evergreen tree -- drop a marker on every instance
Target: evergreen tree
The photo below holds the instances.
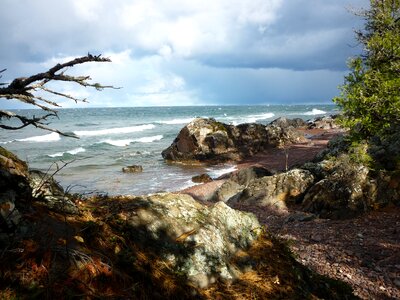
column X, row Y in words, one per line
column 370, row 97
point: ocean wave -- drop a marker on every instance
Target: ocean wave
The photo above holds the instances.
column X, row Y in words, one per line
column 126, row 142
column 314, row 112
column 148, row 139
column 249, row 119
column 118, row 143
column 51, row 137
column 72, row 152
column 176, row 121
column 215, row 173
column 255, row 118
column 118, row 130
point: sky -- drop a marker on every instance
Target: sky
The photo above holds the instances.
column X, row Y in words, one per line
column 185, row 52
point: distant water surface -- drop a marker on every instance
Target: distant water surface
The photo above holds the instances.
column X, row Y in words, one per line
column 111, row 138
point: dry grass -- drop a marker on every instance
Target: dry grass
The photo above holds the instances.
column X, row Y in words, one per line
column 96, row 256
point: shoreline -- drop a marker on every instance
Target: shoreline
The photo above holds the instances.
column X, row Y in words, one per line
column 273, row 159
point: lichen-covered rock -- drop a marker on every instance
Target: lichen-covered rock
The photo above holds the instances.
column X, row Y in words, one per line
column 276, row 190
column 346, row 188
column 246, row 175
column 47, row 190
column 227, row 190
column 341, row 193
column 237, row 181
column 196, row 240
column 214, row 142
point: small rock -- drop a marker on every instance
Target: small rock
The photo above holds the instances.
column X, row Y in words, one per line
column 202, row 178
column 316, row 237
column 132, row 169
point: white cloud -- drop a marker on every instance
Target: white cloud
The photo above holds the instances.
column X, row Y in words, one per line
column 165, row 52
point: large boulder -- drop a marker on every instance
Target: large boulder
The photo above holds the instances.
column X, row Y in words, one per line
column 214, row 142
column 198, row 241
column 346, row 188
column 237, row 181
column 275, row 190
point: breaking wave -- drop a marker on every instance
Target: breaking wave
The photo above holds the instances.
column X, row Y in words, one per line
column 51, row 137
column 126, row 142
column 314, row 112
column 119, row 130
column 72, row 152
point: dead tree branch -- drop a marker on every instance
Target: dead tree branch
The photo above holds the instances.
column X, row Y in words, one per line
column 24, row 89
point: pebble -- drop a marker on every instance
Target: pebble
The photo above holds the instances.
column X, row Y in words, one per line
column 397, row 283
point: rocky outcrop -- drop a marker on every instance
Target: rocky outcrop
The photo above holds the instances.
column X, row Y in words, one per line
column 275, row 190
column 237, row 181
column 197, row 240
column 214, row 142
column 346, row 188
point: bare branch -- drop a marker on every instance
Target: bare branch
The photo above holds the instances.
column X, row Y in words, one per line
column 34, row 121
column 23, row 89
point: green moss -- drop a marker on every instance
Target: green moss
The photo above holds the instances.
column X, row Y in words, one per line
column 218, row 126
column 359, row 153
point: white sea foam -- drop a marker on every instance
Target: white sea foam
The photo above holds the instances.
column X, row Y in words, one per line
column 73, row 152
column 254, row 118
column 215, row 173
column 187, row 184
column 314, row 112
column 51, row 137
column 177, row 121
column 250, row 118
column 118, row 130
column 126, row 142
column 118, row 143
column 148, row 139
column 76, row 150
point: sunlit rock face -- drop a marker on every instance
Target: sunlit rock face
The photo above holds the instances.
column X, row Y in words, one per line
column 276, row 190
column 196, row 240
column 208, row 140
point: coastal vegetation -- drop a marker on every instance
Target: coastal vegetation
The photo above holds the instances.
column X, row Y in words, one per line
column 370, row 98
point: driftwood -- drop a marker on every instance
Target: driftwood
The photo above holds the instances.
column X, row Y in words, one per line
column 25, row 90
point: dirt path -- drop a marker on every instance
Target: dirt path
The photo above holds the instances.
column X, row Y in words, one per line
column 364, row 251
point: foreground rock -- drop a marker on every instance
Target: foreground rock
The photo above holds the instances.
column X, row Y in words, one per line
column 197, row 240
column 19, row 187
column 214, row 142
column 275, row 191
column 14, row 189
